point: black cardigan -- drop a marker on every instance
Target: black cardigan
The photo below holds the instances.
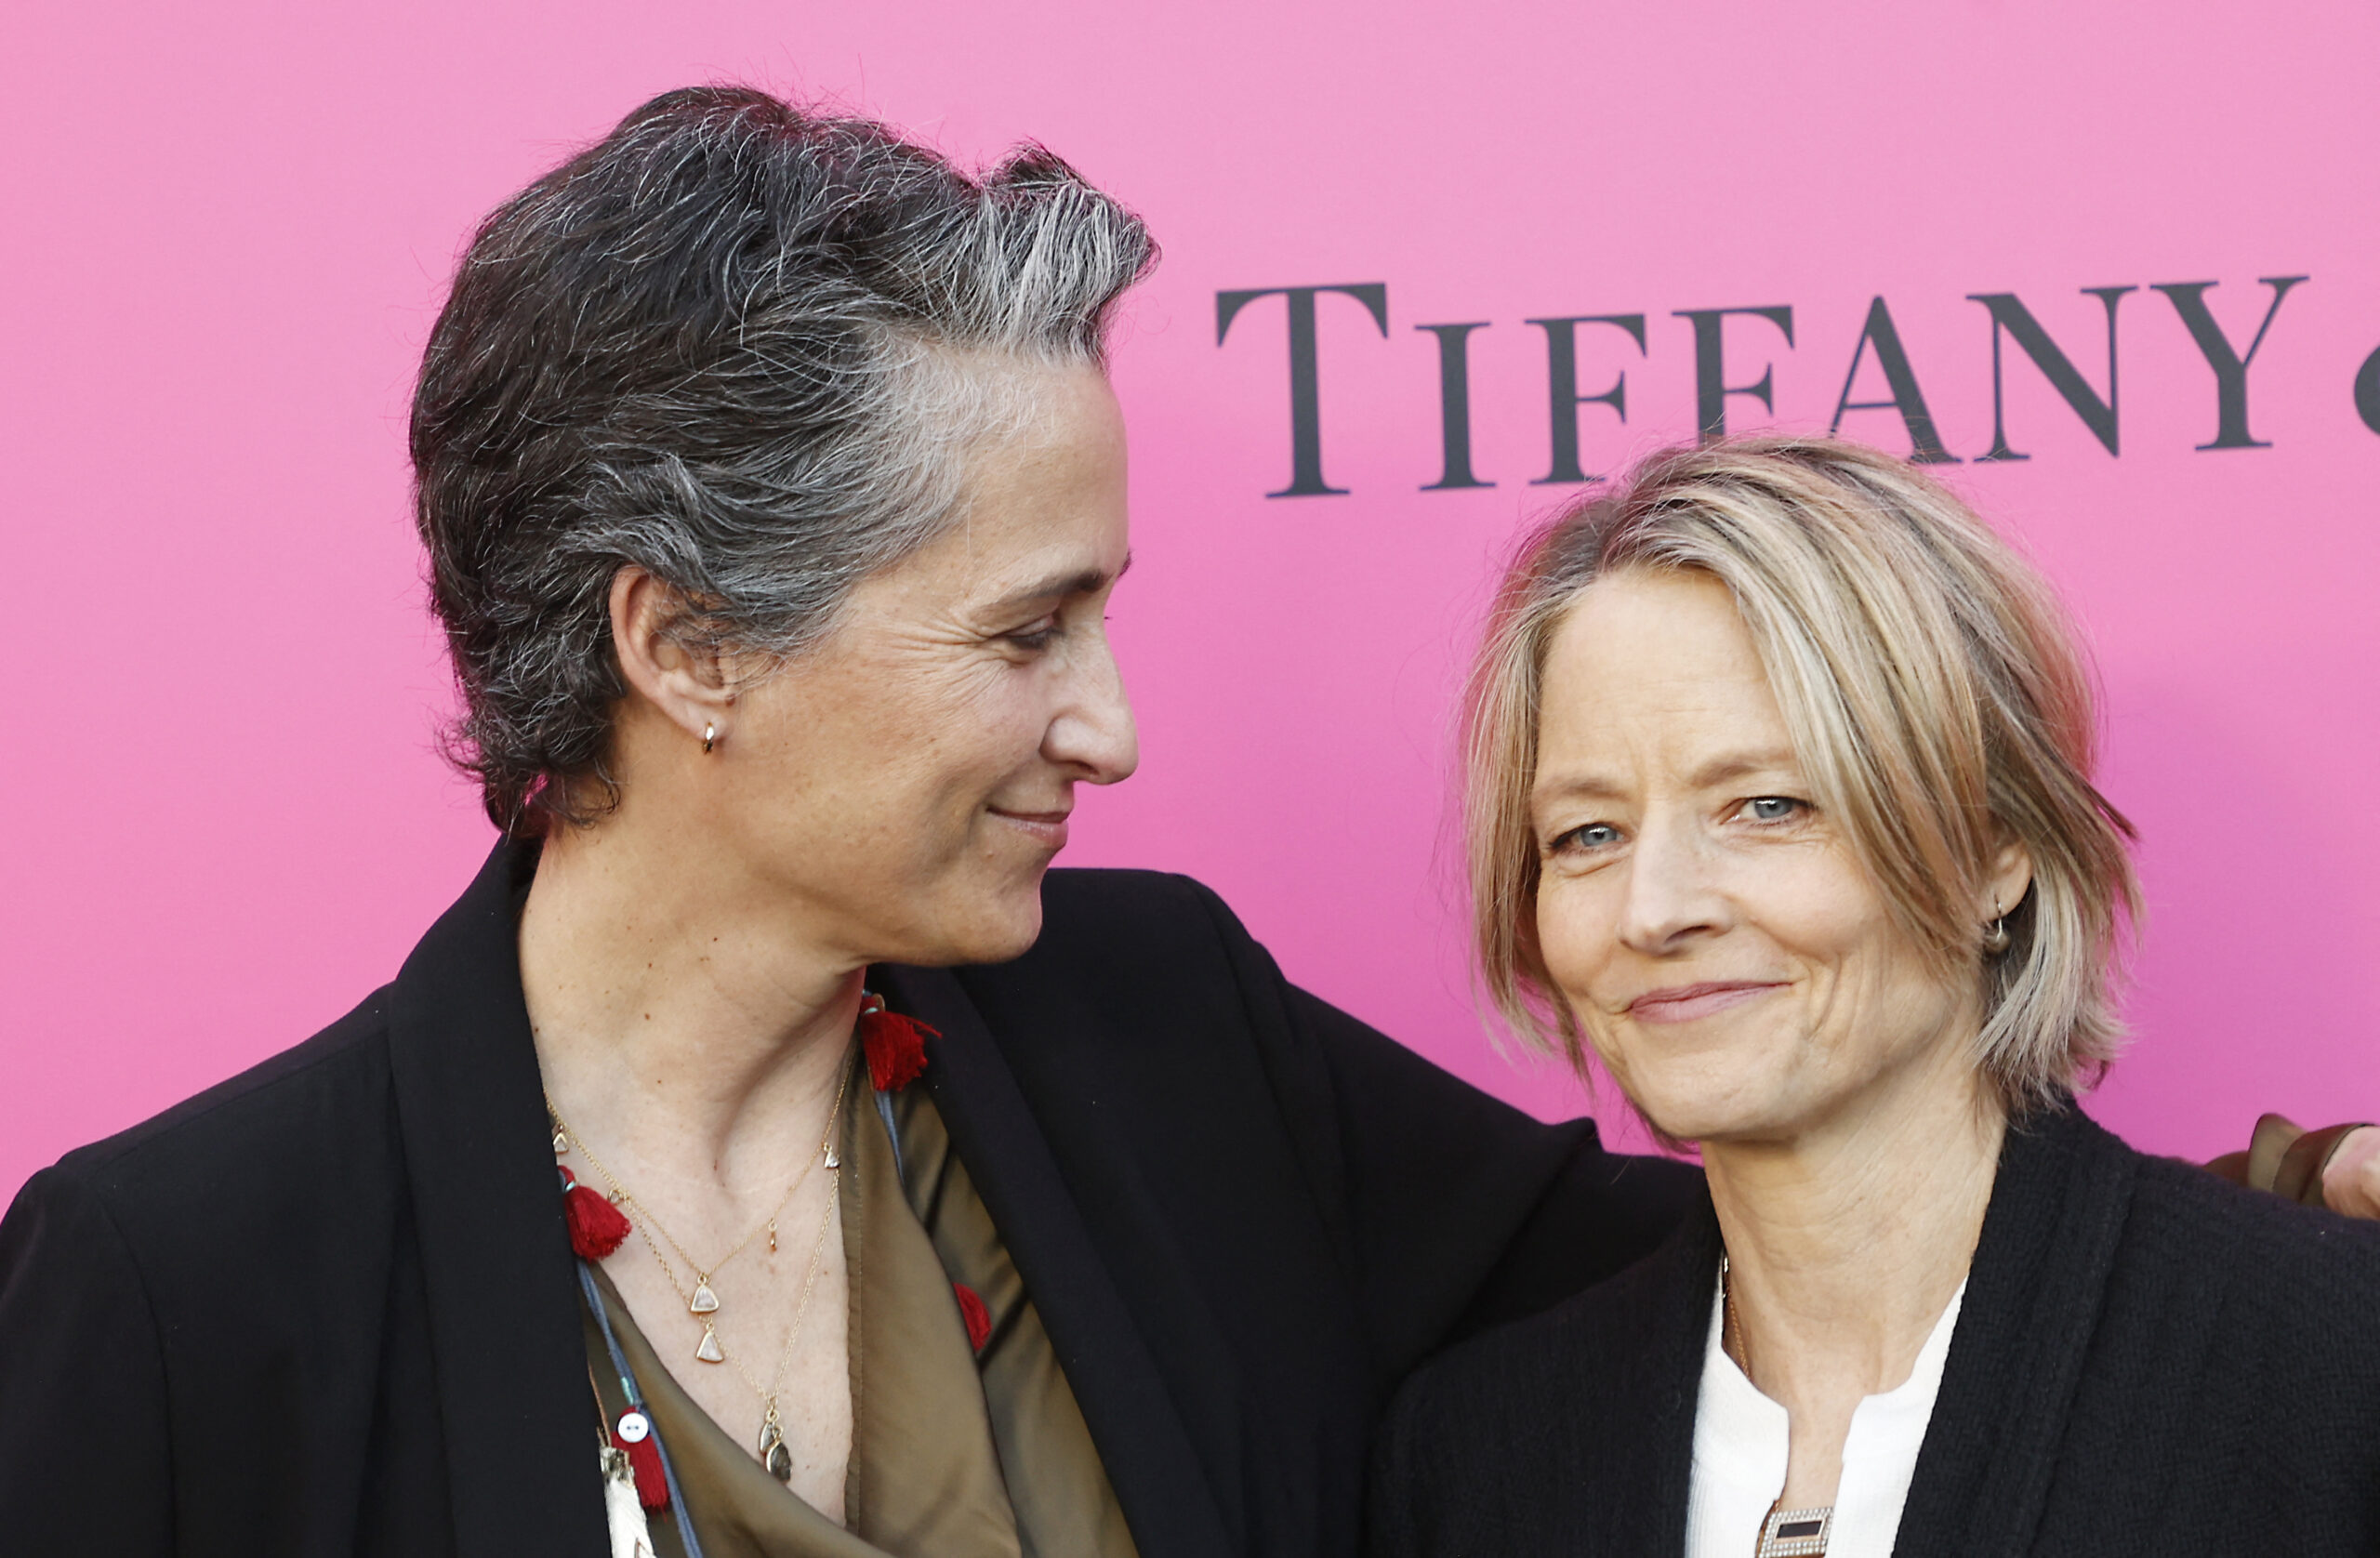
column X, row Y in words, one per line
column 2147, row 1361
column 328, row 1307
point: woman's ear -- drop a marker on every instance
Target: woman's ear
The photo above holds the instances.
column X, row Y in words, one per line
column 689, row 686
column 2011, row 878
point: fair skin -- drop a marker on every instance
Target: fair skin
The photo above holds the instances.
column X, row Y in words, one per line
column 693, row 960
column 2352, row 1180
column 1743, row 979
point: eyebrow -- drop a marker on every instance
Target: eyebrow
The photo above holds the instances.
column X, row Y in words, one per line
column 1059, row 587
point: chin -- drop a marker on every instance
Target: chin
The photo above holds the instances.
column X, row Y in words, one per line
column 1005, row 946
column 994, row 932
column 1698, row 1103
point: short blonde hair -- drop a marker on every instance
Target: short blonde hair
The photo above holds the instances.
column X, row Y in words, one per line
column 1936, row 701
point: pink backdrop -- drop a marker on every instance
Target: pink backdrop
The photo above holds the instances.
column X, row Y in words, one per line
column 230, row 226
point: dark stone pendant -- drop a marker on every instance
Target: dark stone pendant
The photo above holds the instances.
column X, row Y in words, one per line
column 774, row 1453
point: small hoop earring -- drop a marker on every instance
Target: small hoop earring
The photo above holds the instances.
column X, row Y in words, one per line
column 711, row 734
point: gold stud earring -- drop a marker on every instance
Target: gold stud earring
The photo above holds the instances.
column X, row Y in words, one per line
column 711, row 734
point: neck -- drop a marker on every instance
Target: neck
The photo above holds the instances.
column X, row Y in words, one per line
column 1847, row 1240
column 693, row 1033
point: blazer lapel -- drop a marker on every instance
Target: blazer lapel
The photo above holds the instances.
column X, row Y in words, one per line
column 1644, row 1471
column 496, row 1257
column 2032, row 1305
column 1141, row 1440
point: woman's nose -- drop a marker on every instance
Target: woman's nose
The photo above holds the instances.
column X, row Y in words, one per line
column 1671, row 894
column 1094, row 733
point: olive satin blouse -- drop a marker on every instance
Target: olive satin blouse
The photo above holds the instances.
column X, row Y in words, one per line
column 954, row 1453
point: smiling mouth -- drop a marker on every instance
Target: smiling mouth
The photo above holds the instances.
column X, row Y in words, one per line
column 1683, row 1003
column 1049, row 827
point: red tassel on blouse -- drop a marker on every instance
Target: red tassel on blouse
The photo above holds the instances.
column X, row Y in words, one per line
column 596, row 1226
column 895, row 1045
column 978, row 1318
column 644, row 1460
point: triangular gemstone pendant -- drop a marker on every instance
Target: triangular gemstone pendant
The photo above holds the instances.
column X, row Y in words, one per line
column 708, row 1351
column 833, row 1161
column 704, row 1302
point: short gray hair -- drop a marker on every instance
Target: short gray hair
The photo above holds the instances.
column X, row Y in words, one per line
column 1937, row 698
column 742, row 346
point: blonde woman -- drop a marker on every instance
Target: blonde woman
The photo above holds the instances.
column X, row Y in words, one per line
column 1781, row 808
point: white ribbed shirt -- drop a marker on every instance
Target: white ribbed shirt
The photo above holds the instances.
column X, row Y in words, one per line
column 1740, row 1439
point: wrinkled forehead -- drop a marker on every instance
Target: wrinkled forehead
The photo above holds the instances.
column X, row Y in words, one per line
column 1041, row 506
column 1652, row 679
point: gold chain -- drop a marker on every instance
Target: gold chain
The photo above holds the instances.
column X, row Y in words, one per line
column 702, row 1274
column 1729, row 1318
column 771, row 1449
column 646, row 1218
column 809, row 1281
column 1765, row 1544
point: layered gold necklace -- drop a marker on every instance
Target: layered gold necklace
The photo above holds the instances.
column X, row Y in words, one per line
column 702, row 1300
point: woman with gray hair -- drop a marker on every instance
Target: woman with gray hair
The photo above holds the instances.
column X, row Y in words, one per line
column 1781, row 808
column 768, row 1155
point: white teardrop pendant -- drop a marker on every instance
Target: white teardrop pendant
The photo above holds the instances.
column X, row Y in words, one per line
column 704, row 1302
column 708, row 1351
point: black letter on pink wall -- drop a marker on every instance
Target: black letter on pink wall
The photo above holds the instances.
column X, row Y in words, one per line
column 1562, row 389
column 1924, row 443
column 1454, row 404
column 2231, row 367
column 1305, row 395
column 1710, row 387
column 2367, row 391
column 2012, row 316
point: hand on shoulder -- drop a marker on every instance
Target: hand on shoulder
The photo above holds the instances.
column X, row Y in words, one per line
column 2351, row 1179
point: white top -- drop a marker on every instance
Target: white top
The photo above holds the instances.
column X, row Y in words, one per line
column 1741, row 1441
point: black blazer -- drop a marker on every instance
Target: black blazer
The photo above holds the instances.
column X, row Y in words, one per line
column 2147, row 1361
column 328, row 1307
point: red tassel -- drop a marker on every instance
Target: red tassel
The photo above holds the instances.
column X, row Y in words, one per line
column 895, row 1045
column 978, row 1318
column 596, row 1226
column 644, row 1460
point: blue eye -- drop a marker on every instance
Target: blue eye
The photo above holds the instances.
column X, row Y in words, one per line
column 1594, row 835
column 1773, row 808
